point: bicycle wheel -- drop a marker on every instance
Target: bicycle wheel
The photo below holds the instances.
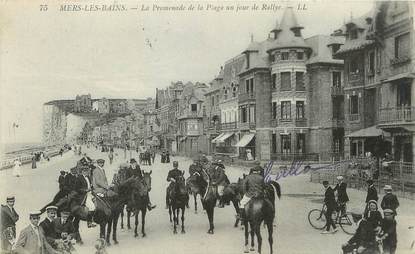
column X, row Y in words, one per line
column 347, row 224
column 317, row 219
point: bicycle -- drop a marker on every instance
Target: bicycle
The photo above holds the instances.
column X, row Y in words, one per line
column 317, row 219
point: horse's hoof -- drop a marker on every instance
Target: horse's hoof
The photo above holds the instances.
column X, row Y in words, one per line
column 252, row 249
column 115, row 242
column 128, row 227
column 108, row 243
column 246, row 250
column 174, row 232
column 210, row 231
column 183, row 232
column 135, row 235
column 143, row 235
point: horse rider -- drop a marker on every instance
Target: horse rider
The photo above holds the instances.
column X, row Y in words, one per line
column 99, row 179
column 84, row 189
column 135, row 171
column 196, row 167
column 172, row 177
column 253, row 187
column 218, row 179
column 85, row 160
column 8, row 217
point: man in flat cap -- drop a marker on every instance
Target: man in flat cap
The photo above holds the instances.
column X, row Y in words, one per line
column 389, row 201
column 99, row 179
column 47, row 226
column 8, row 217
column 31, row 239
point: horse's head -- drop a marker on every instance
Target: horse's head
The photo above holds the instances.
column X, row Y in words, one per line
column 147, row 179
column 181, row 184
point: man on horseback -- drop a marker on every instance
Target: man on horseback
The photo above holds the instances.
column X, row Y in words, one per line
column 172, row 177
column 253, row 187
column 99, row 179
column 135, row 171
column 84, row 188
column 218, row 179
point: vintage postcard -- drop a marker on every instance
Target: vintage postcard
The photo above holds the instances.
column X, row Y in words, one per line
column 207, row 127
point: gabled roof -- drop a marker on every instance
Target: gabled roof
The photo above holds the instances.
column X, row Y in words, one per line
column 322, row 52
column 285, row 37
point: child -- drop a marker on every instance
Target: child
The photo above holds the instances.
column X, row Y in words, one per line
column 388, row 233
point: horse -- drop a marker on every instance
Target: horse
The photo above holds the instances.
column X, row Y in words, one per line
column 140, row 190
column 260, row 210
column 196, row 185
column 233, row 193
column 178, row 198
column 209, row 202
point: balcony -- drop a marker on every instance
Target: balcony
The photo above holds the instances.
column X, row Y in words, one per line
column 337, row 90
column 247, row 125
column 228, row 126
column 191, row 115
column 337, row 122
column 396, row 115
column 246, row 96
column 295, row 156
column 301, row 122
column 354, row 117
column 400, row 60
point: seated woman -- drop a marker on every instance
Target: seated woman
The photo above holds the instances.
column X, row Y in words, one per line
column 373, row 216
column 363, row 241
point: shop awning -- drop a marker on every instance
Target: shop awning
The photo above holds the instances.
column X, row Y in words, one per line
column 366, row 133
column 245, row 140
column 218, row 137
column 224, row 137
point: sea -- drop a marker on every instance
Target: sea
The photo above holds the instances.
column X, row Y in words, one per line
column 13, row 150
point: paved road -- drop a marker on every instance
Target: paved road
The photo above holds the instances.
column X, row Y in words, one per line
column 292, row 233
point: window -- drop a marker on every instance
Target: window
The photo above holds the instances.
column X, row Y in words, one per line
column 300, row 55
column 371, row 62
column 404, row 95
column 274, row 143
column 301, row 143
column 337, row 78
column 286, row 144
column 234, row 91
column 226, row 94
column 193, row 107
column 274, row 81
column 251, row 83
column 284, row 56
column 271, row 58
column 354, row 66
column 243, row 115
column 402, row 45
column 297, row 32
column 247, row 85
column 285, row 81
column 299, row 81
column 299, row 105
column 247, row 60
column 274, row 110
column 354, row 104
column 252, row 114
column 353, row 34
column 335, row 48
column 286, row 110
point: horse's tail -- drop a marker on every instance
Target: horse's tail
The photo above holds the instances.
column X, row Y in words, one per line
column 276, row 187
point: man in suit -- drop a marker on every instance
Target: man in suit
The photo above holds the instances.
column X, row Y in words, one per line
column 99, row 179
column 84, row 197
column 46, row 225
column 8, row 217
column 31, row 239
column 342, row 197
column 372, row 193
column 330, row 202
column 389, row 201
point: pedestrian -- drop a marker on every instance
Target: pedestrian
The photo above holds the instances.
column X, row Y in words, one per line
column 8, row 217
column 48, row 229
column 16, row 168
column 372, row 193
column 111, row 157
column 388, row 234
column 330, row 202
column 167, row 157
column 31, row 239
column 33, row 161
column 342, row 197
column 372, row 215
column 389, row 201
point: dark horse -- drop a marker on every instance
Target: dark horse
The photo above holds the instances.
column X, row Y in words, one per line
column 260, row 210
column 196, row 185
column 233, row 193
column 178, row 198
column 140, row 190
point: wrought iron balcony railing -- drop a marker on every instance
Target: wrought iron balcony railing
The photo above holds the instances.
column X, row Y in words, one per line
column 397, row 114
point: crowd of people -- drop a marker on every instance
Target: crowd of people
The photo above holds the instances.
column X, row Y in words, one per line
column 376, row 231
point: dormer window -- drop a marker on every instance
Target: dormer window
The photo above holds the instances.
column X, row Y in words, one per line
column 300, row 55
column 271, row 58
column 297, row 32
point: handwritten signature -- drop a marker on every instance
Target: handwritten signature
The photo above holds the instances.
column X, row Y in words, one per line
column 296, row 168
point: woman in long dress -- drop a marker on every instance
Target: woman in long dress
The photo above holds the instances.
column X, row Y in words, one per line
column 16, row 168
column 34, row 161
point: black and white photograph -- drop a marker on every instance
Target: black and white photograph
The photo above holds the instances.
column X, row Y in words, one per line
column 207, row 127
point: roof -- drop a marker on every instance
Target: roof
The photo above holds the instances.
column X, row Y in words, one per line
column 285, row 37
column 366, row 133
column 354, row 45
column 322, row 52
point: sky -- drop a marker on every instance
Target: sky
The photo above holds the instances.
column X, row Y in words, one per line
column 53, row 54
